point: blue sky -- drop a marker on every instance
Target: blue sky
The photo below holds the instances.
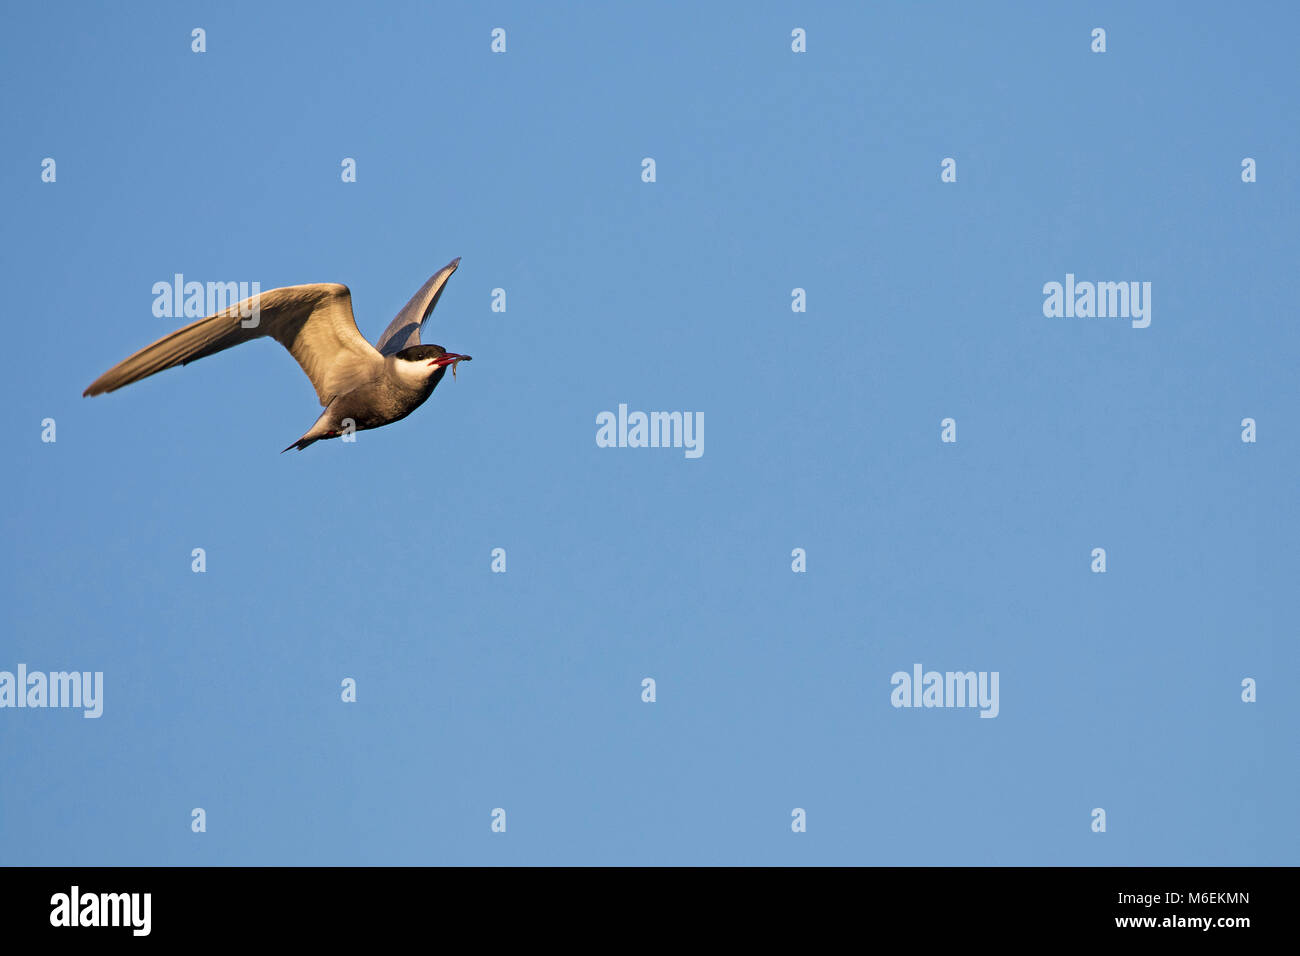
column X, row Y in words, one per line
column 775, row 171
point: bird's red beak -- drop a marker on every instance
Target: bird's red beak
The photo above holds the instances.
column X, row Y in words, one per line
column 451, row 358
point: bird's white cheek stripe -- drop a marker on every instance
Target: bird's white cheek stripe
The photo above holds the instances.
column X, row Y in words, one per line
column 413, row 373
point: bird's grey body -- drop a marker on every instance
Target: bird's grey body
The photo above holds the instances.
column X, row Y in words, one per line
column 361, row 386
column 385, row 398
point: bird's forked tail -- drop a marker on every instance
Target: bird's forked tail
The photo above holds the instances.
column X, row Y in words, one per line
column 301, row 443
column 323, row 427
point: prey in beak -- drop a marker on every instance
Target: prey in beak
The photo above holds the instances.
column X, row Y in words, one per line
column 452, row 359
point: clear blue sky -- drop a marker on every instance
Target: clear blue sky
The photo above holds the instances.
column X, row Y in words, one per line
column 774, row 171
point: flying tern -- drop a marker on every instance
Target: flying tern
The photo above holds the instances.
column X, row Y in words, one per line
column 361, row 385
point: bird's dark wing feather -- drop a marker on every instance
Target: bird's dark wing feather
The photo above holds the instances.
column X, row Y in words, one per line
column 314, row 322
column 404, row 331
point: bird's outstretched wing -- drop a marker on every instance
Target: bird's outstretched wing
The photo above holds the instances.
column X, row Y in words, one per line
column 314, row 322
column 404, row 331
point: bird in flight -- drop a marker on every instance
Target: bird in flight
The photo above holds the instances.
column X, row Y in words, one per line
column 361, row 385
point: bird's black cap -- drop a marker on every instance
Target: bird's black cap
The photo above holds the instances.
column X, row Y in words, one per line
column 421, row 353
